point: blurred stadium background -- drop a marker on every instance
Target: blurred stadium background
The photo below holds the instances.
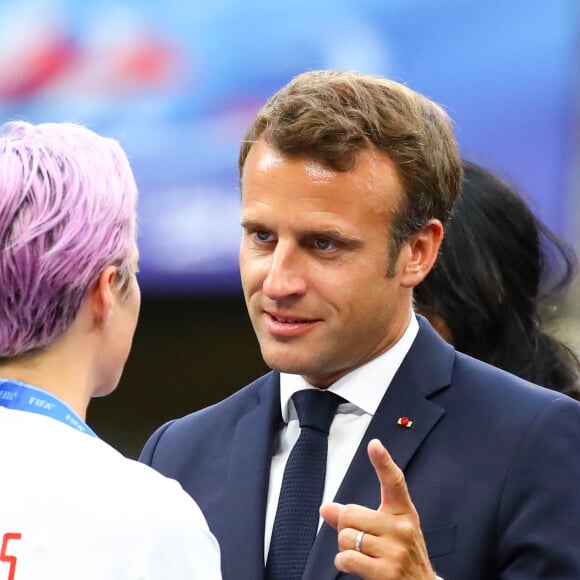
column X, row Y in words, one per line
column 177, row 82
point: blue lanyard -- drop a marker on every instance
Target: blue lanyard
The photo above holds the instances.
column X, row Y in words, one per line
column 17, row 395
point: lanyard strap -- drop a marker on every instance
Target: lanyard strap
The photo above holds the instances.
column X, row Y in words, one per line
column 17, row 395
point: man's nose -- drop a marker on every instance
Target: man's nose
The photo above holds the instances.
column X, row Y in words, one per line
column 286, row 272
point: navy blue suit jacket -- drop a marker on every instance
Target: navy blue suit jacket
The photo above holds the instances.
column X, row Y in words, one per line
column 492, row 464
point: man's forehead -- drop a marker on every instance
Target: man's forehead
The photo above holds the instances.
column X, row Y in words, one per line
column 317, row 171
column 374, row 175
column 266, row 157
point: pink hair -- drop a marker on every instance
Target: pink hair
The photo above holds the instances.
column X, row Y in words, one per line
column 67, row 210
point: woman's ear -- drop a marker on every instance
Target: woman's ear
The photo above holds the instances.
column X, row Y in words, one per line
column 101, row 297
column 422, row 250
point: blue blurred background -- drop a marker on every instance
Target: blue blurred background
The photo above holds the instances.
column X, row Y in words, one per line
column 177, row 82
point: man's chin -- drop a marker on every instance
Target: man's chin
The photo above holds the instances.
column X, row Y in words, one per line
column 305, row 368
column 285, row 364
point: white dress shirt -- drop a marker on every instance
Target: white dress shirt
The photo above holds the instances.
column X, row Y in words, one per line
column 363, row 388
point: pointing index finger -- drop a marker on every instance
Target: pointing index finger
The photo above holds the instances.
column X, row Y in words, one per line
column 395, row 497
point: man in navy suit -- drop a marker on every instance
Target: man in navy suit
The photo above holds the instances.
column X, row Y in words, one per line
column 438, row 465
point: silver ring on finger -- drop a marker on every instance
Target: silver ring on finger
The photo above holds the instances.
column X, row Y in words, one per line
column 358, row 542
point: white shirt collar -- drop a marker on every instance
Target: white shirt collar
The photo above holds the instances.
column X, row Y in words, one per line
column 377, row 374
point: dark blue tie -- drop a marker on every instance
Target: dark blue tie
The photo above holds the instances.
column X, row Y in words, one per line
column 297, row 516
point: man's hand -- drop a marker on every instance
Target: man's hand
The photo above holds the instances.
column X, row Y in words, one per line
column 392, row 547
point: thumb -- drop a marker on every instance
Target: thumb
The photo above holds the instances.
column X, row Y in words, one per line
column 331, row 513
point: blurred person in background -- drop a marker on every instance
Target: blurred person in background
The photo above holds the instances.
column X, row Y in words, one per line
column 70, row 505
column 426, row 461
column 493, row 287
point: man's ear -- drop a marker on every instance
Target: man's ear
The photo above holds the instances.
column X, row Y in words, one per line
column 102, row 295
column 422, row 251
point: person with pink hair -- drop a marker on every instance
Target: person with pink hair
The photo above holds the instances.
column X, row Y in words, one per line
column 71, row 506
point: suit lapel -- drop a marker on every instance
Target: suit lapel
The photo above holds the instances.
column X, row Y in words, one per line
column 247, row 484
column 425, row 370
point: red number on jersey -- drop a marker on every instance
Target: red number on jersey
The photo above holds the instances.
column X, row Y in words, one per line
column 4, row 557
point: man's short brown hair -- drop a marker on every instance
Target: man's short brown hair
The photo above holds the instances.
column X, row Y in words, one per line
column 331, row 116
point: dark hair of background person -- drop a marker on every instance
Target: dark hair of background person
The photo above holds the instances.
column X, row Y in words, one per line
column 495, row 284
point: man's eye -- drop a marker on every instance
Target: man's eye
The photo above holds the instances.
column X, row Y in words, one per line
column 324, row 244
column 263, row 236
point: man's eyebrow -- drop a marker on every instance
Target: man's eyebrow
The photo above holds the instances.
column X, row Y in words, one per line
column 322, row 232
column 333, row 234
column 247, row 222
column 330, row 232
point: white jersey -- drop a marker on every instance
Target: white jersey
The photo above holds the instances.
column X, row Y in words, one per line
column 72, row 507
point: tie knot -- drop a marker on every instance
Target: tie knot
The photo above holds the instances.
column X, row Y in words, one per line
column 316, row 408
